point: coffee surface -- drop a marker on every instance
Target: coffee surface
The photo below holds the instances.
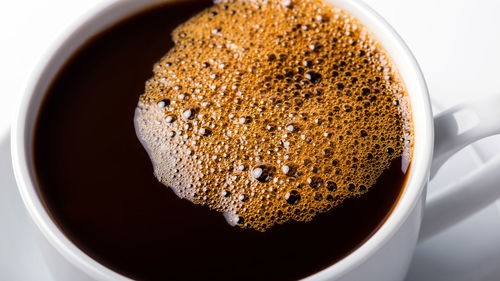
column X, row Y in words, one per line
column 273, row 111
column 97, row 181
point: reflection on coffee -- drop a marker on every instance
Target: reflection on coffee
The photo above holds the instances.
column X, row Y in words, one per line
column 97, row 180
column 272, row 111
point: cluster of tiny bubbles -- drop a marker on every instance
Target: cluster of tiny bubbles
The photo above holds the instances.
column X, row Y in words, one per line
column 273, row 111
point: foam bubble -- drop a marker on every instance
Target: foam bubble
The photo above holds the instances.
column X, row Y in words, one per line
column 273, row 111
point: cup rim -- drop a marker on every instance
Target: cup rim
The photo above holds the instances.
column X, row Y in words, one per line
column 27, row 110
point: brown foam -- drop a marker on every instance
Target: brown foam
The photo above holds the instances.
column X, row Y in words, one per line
column 271, row 111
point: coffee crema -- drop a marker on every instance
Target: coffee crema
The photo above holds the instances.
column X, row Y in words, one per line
column 274, row 111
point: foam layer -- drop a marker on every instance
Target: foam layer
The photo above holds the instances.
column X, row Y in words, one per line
column 273, row 111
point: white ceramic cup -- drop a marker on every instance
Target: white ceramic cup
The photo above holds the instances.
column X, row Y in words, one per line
column 387, row 254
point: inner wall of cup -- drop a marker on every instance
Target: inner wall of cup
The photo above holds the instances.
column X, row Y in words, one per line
column 119, row 10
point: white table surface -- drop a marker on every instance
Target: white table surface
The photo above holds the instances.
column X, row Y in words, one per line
column 457, row 43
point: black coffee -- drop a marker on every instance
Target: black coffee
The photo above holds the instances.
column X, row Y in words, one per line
column 97, row 180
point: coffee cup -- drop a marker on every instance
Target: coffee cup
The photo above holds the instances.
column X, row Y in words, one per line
column 387, row 254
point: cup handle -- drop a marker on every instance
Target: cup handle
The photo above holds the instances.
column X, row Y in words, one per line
column 454, row 129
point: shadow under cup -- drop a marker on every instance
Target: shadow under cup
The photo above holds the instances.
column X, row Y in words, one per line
column 97, row 181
